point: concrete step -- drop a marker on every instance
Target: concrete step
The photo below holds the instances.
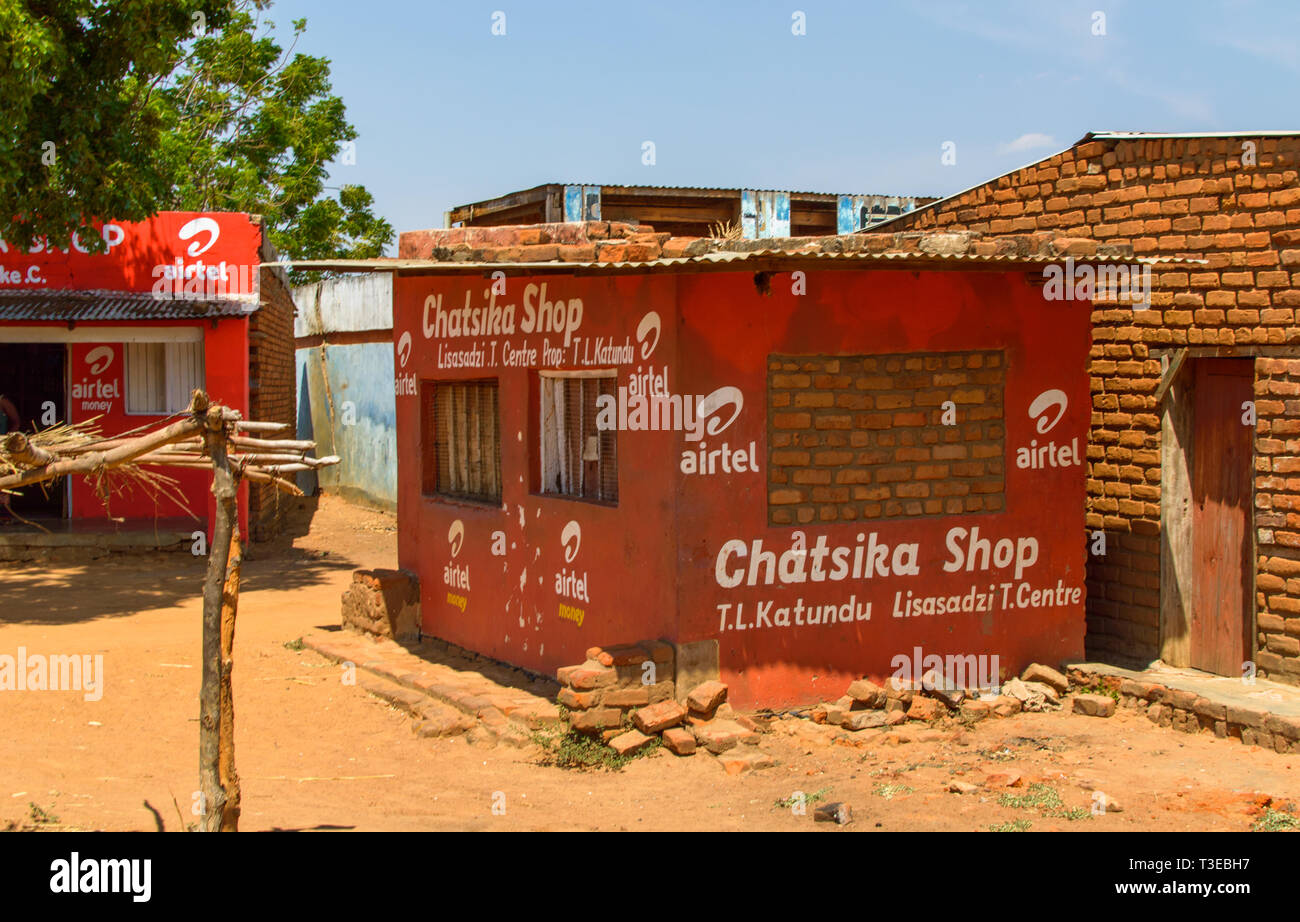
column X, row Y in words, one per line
column 429, row 717
column 427, row 689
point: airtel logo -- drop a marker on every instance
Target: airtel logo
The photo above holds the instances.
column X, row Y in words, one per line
column 99, row 359
column 709, row 411
column 456, row 537
column 1038, row 410
column 199, row 226
column 571, row 539
column 404, row 348
column 650, row 324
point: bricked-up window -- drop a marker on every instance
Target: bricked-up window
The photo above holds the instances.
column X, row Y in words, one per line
column 460, row 440
column 865, row 436
column 578, row 458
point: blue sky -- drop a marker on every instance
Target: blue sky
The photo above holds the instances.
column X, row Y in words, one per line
column 449, row 113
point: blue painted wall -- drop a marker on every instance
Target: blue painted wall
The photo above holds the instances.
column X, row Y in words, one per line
column 346, row 404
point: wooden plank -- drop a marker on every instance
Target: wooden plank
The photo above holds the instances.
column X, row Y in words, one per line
column 649, row 214
column 818, row 219
column 673, row 193
column 477, row 210
column 1175, row 365
column 1176, row 458
column 1222, row 609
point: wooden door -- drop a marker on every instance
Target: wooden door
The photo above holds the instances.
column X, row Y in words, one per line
column 1222, row 572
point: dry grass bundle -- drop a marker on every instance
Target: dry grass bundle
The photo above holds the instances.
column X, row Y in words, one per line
column 728, row 231
column 70, row 439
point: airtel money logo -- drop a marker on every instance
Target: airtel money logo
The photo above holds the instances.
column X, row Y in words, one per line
column 95, row 394
column 570, row 584
column 1036, row 457
column 455, row 575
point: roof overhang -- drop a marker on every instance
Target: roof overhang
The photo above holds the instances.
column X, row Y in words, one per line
column 751, row 261
column 61, row 305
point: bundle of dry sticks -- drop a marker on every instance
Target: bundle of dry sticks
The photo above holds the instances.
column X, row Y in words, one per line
column 79, row 449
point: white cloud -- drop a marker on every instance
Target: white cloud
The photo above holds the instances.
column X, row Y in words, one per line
column 1033, row 140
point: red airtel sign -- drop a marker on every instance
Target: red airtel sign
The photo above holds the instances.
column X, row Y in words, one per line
column 172, row 254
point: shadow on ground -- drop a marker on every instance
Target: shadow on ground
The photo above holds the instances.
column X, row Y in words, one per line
column 126, row 583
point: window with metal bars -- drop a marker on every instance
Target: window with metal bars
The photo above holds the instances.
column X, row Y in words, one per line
column 577, row 458
column 461, row 440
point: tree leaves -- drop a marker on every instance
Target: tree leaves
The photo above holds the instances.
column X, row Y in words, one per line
column 172, row 105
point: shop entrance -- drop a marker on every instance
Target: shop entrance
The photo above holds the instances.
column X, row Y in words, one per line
column 33, row 376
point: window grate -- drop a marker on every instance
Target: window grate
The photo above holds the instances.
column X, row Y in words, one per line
column 461, row 439
column 578, row 458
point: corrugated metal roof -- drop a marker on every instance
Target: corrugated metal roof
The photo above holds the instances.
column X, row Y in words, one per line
column 726, row 260
column 1166, row 135
column 624, row 185
column 47, row 304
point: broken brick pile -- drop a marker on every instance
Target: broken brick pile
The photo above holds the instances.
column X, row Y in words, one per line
column 615, row 242
column 866, row 705
column 383, row 603
column 601, row 693
column 611, row 696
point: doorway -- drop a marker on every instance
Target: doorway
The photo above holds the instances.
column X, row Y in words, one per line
column 34, row 377
column 1207, row 515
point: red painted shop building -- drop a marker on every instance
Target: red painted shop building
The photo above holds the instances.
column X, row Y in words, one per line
column 800, row 464
column 122, row 337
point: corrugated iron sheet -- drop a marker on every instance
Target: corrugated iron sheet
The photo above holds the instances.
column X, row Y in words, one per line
column 45, row 304
column 1170, row 135
column 727, row 259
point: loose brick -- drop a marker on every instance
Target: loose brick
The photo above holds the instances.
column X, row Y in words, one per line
column 658, row 717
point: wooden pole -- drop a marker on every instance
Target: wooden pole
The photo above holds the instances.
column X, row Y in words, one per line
column 223, row 488
column 204, row 428
column 226, row 740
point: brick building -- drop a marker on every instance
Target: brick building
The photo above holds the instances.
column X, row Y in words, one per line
column 119, row 339
column 856, row 448
column 272, row 383
column 1197, row 495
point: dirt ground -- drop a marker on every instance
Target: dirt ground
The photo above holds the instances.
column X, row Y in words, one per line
column 316, row 754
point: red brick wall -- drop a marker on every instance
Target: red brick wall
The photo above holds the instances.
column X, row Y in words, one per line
column 273, row 391
column 864, row 437
column 1173, row 197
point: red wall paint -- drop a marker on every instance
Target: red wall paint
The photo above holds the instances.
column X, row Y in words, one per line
column 727, row 333
column 651, row 562
column 625, row 553
column 96, row 388
column 210, row 246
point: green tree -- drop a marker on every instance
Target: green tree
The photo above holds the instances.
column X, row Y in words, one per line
column 172, row 105
column 79, row 104
column 253, row 127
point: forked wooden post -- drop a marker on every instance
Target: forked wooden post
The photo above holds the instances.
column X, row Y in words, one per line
column 216, row 800
column 208, row 435
column 229, row 777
